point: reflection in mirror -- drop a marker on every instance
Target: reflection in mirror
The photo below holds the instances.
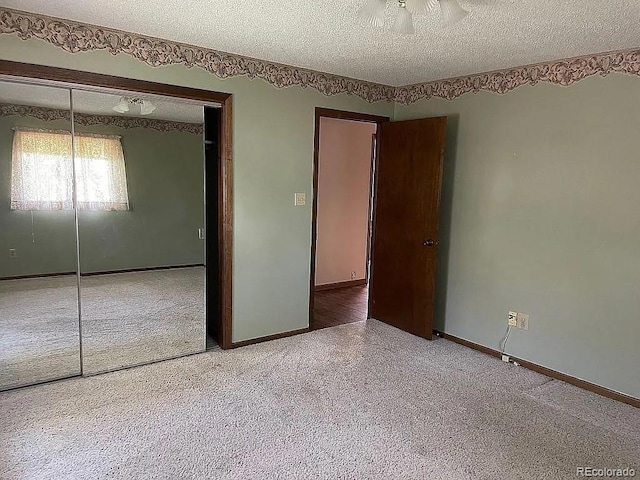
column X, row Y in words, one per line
column 140, row 173
column 39, row 329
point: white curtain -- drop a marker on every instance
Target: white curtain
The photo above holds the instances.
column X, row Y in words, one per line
column 42, row 171
column 102, row 179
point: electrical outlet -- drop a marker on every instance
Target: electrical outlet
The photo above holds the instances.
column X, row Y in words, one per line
column 12, row 253
column 523, row 321
column 353, row 275
column 300, row 199
column 511, row 319
column 505, row 358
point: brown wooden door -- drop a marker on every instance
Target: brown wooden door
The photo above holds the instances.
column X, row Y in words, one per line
column 406, row 215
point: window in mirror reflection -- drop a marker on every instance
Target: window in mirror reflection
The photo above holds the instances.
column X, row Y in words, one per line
column 42, row 171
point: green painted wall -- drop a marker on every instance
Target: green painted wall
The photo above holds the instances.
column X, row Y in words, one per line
column 165, row 179
column 273, row 159
column 541, row 215
column 539, row 210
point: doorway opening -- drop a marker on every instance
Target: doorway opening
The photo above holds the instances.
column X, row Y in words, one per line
column 212, row 170
column 403, row 230
column 344, row 173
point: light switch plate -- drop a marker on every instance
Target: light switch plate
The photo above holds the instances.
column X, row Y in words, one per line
column 301, row 199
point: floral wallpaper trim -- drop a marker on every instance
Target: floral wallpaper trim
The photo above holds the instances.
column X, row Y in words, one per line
column 50, row 114
column 561, row 72
column 76, row 37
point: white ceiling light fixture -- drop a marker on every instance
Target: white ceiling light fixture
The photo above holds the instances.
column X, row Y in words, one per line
column 421, row 7
column 125, row 105
column 146, row 107
column 122, row 106
column 373, row 13
column 452, row 12
column 404, row 21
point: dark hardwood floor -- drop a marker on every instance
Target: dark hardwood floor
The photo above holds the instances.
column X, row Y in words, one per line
column 339, row 306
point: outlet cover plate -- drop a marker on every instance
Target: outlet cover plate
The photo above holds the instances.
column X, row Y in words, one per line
column 300, row 199
column 512, row 319
column 523, row 321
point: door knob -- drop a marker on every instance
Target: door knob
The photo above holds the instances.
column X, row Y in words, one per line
column 429, row 243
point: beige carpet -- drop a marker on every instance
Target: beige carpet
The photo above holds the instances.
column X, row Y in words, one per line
column 139, row 317
column 127, row 319
column 39, row 337
column 359, row 401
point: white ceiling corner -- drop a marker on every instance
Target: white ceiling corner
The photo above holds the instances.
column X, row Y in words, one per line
column 326, row 36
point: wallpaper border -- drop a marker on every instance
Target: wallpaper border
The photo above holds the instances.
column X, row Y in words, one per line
column 76, row 37
column 560, row 72
column 51, row 114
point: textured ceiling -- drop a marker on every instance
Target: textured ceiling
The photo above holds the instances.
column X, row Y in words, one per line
column 96, row 103
column 326, row 36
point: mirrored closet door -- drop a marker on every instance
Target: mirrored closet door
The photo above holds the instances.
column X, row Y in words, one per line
column 140, row 170
column 102, row 238
column 39, row 324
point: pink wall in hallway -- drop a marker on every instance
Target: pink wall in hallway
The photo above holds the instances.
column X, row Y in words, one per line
column 343, row 199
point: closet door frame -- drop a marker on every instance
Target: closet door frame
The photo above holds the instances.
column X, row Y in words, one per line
column 66, row 78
